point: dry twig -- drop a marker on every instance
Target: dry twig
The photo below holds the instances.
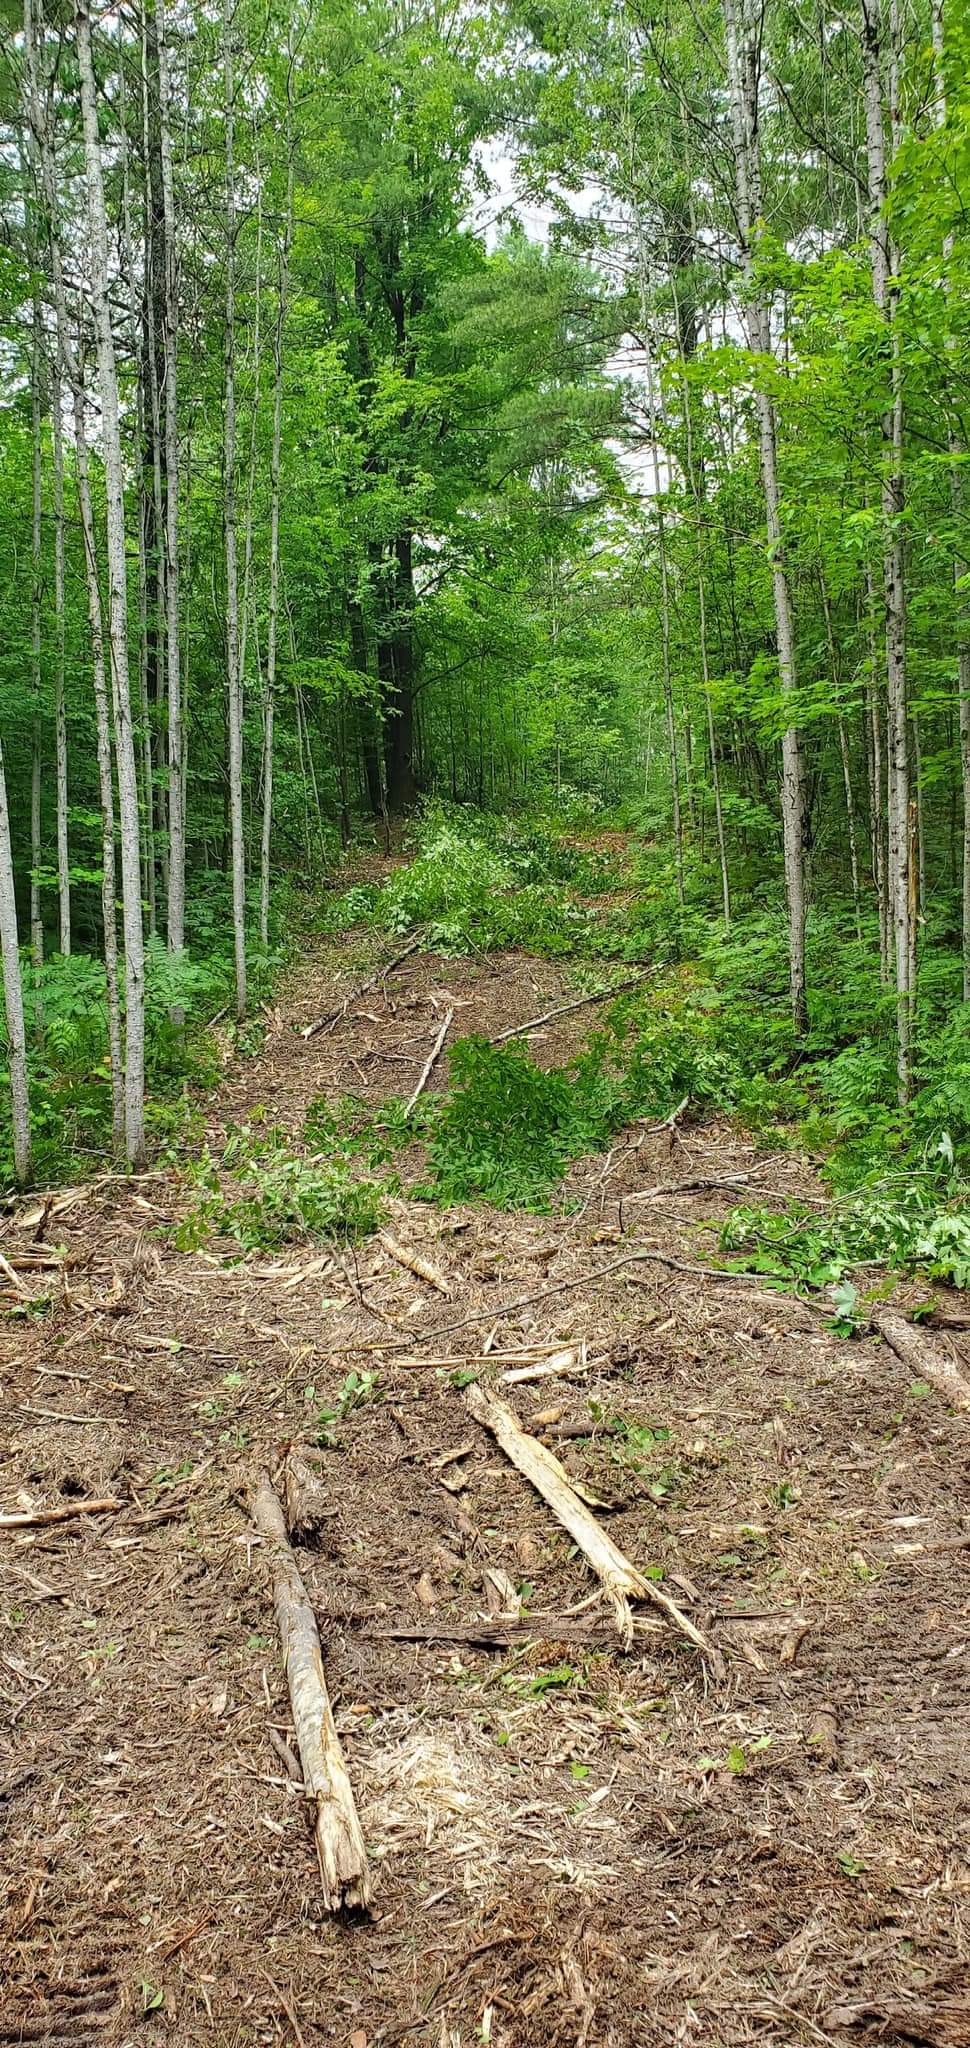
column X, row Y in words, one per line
column 41, row 1518
column 600, row 995
column 331, row 1017
column 428, row 1067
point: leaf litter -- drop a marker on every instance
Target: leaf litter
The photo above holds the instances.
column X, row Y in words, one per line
column 570, row 1844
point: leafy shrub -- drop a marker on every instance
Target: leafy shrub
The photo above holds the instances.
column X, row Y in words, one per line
column 477, row 883
column 507, row 1130
column 921, row 1223
column 282, row 1198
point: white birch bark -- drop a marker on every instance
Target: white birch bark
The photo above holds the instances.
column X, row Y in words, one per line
column 36, row 604
column 274, row 535
column 176, row 783
column 234, row 686
column 134, row 942
column 13, row 996
column 60, row 713
column 71, row 372
column 884, row 291
column 743, row 84
column 961, row 565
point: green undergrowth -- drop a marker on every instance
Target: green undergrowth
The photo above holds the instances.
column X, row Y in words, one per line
column 66, row 1020
column 262, row 1194
column 476, row 883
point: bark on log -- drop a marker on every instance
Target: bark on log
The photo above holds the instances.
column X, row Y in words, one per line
column 923, row 1357
column 621, row 1580
column 344, row 1872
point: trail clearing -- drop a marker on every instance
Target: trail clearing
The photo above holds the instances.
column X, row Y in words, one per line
column 569, row 1843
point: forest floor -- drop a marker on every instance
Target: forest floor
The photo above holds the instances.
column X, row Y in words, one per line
column 573, row 1847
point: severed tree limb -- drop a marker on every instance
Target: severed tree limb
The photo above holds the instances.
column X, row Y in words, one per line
column 341, row 1852
column 648, row 1254
column 572, row 1358
column 413, row 1262
column 41, row 1518
column 921, row 1356
column 331, row 1017
column 600, row 995
column 428, row 1067
column 621, row 1580
column 502, row 1632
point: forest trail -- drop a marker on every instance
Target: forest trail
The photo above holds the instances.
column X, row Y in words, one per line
column 570, row 1845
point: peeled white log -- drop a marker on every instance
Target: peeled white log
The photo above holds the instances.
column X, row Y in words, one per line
column 342, row 1855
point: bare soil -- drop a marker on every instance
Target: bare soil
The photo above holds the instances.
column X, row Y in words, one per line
column 573, row 1847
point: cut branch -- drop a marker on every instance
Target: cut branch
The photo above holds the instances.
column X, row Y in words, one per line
column 430, row 1062
column 344, row 1871
column 42, row 1518
column 414, row 1262
column 621, row 1580
column 331, row 1017
column 600, row 995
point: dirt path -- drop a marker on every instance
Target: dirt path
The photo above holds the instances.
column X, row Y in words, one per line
column 571, row 1846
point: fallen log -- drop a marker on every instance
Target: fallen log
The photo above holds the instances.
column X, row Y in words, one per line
column 922, row 1357
column 331, row 1017
column 342, row 1855
column 620, row 1579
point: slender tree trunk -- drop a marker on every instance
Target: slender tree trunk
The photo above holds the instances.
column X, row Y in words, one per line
column 36, row 608
column 668, row 692
column 13, row 996
column 71, row 372
column 743, row 78
column 697, row 484
column 152, row 380
column 145, row 521
column 234, row 682
column 885, row 294
column 850, row 812
column 60, row 714
column 176, row 783
column 117, row 606
column 274, row 529
column 961, row 565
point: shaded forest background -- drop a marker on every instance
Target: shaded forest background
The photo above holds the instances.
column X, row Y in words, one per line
column 328, row 495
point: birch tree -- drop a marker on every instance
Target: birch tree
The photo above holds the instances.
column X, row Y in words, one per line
column 269, row 694
column 134, row 944
column 70, row 372
column 234, row 682
column 176, row 763
column 743, row 56
column 902, row 874
column 13, row 995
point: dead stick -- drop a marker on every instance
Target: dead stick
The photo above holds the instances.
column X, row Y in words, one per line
column 344, row 1872
column 620, row 1578
column 40, row 1518
column 647, row 1253
column 429, row 1062
column 331, row 1017
column 600, row 995
column 413, row 1262
column 502, row 1634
